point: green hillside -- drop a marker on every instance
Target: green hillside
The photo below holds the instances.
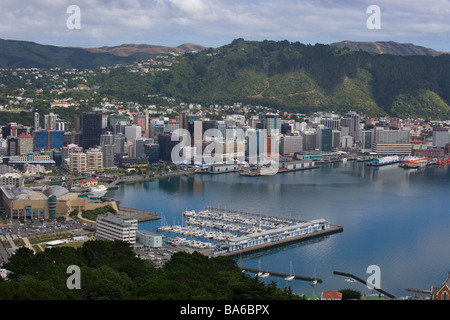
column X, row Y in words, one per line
column 306, row 78
column 288, row 76
column 24, row 54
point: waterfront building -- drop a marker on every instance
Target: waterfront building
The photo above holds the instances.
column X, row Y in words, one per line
column 366, row 140
column 309, row 140
column 223, row 168
column 117, row 228
column 297, row 164
column 392, row 142
column 324, row 138
column 346, row 142
column 47, row 202
column 441, row 136
column 336, row 139
column 149, row 239
column 291, row 144
column 273, row 235
column 24, row 203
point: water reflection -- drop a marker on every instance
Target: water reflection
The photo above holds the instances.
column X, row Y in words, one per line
column 392, row 217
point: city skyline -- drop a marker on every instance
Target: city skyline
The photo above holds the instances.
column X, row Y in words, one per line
column 216, row 23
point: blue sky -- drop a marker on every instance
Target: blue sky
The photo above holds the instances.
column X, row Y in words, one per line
column 218, row 22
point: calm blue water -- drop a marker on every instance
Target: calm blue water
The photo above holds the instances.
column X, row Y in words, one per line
column 394, row 218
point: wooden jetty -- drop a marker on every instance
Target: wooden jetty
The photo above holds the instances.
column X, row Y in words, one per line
column 363, row 281
column 281, row 274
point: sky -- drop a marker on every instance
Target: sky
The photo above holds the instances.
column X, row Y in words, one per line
column 214, row 23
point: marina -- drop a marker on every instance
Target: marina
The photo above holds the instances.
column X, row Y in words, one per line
column 387, row 206
column 232, row 233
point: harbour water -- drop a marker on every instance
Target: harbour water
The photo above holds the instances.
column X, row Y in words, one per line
column 394, row 218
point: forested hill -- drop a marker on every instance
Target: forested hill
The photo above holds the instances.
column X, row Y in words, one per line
column 306, row 78
column 389, row 47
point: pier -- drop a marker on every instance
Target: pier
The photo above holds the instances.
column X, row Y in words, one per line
column 280, row 242
column 363, row 281
column 140, row 215
column 281, row 274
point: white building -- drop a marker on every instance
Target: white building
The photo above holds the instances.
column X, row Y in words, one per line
column 149, row 239
column 11, row 179
column 117, row 228
column 133, row 132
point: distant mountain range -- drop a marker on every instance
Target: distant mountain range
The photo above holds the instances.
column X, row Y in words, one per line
column 126, row 50
column 25, row 54
column 388, row 47
column 408, row 81
column 14, row 53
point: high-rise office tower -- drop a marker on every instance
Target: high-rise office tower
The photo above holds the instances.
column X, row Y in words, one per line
column 91, row 129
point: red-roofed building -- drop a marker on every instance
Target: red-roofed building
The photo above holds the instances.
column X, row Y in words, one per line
column 442, row 292
column 331, row 295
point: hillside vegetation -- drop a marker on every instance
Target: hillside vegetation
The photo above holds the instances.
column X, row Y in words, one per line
column 287, row 76
column 304, row 78
column 110, row 270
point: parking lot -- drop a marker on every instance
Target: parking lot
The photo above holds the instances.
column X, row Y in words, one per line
column 18, row 230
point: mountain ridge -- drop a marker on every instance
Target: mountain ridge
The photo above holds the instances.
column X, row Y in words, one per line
column 388, row 47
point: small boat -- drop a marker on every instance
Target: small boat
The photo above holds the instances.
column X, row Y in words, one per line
column 314, row 282
column 265, row 275
column 290, row 276
column 349, row 280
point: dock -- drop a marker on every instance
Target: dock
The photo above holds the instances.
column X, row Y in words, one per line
column 140, row 215
column 331, row 230
column 281, row 274
column 280, row 170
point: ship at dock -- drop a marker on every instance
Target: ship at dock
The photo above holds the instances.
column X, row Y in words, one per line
column 414, row 162
column 382, row 161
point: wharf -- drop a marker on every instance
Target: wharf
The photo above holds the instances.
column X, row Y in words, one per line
column 140, row 215
column 363, row 281
column 331, row 230
column 281, row 274
column 280, row 170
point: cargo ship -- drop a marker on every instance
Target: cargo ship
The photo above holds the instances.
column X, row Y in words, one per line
column 414, row 162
